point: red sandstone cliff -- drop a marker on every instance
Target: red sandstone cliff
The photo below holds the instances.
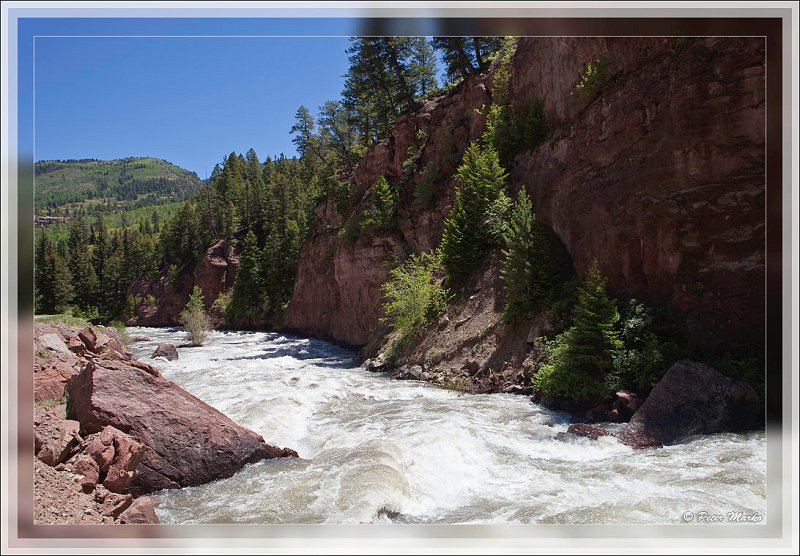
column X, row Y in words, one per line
column 661, row 178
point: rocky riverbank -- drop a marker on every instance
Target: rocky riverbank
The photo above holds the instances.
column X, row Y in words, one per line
column 109, row 429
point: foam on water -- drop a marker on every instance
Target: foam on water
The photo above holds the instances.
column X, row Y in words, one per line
column 377, row 450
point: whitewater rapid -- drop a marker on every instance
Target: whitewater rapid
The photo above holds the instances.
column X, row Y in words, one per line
column 378, row 450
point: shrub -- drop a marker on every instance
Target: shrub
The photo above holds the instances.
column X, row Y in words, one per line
column 415, row 293
column 195, row 319
column 579, row 362
column 151, row 301
column 592, row 80
column 640, row 363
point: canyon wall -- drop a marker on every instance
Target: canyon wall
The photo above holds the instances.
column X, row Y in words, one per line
column 660, row 177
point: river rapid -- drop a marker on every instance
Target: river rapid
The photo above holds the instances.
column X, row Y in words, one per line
column 375, row 450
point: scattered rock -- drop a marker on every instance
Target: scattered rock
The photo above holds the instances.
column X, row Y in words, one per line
column 112, row 504
column 57, row 440
column 85, row 465
column 589, row 431
column 186, row 441
column 168, row 351
column 140, row 339
column 624, row 406
column 117, row 456
column 141, row 511
column 408, row 372
column 53, row 342
column 375, row 365
column 691, row 399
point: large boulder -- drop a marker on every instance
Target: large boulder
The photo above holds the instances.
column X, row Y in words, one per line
column 186, row 441
column 691, row 399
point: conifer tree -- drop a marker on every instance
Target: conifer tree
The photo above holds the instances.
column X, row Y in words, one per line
column 382, row 212
column 303, row 131
column 581, row 360
column 463, row 56
column 527, row 266
column 465, row 239
column 247, row 288
column 80, row 264
column 53, row 282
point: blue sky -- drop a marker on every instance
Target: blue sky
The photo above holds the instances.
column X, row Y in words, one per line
column 190, row 100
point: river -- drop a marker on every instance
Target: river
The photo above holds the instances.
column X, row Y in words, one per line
column 379, row 450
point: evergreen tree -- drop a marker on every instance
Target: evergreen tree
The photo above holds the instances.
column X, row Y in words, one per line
column 465, row 239
column 386, row 77
column 53, row 282
column 247, row 289
column 463, row 56
column 80, row 264
column 303, row 131
column 382, row 212
column 581, row 360
column 527, row 266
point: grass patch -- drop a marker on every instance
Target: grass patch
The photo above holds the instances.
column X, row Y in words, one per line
column 61, row 318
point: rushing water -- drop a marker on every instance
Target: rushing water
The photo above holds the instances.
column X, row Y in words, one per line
column 378, row 450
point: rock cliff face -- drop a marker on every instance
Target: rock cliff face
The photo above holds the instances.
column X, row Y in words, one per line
column 337, row 291
column 214, row 274
column 660, row 176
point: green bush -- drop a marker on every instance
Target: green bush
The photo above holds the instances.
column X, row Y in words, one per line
column 579, row 363
column 414, row 293
column 644, row 357
column 593, row 79
column 195, row 319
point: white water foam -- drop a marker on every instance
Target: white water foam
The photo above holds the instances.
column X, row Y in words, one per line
column 377, row 450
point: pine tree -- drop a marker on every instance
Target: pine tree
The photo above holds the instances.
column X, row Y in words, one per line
column 465, row 239
column 386, row 77
column 581, row 360
column 527, row 266
column 303, row 131
column 382, row 212
column 80, row 264
column 463, row 56
column 247, row 288
column 53, row 282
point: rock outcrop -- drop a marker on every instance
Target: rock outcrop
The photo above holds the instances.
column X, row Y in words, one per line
column 159, row 302
column 692, row 399
column 660, row 177
column 186, row 441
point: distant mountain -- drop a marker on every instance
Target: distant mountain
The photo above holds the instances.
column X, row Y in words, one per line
column 68, row 187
